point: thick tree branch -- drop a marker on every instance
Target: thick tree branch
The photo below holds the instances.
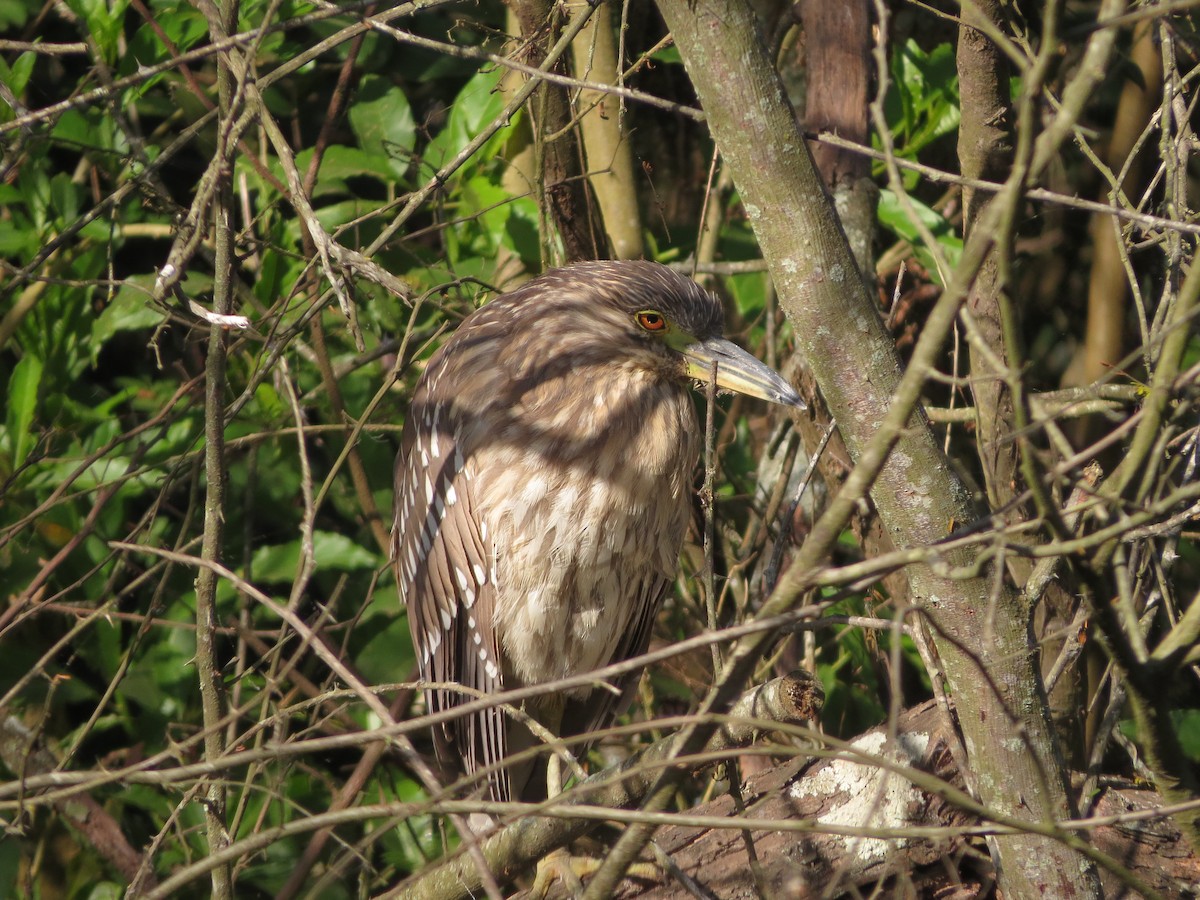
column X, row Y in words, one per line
column 605, row 137
column 561, row 190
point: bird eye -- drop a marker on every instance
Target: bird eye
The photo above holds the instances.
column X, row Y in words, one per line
column 651, row 320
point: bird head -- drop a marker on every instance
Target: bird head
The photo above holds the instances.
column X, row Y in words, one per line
column 668, row 323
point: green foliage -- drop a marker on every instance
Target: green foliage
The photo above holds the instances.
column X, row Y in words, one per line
column 101, row 440
column 897, row 216
column 22, row 404
column 383, row 123
column 1186, row 723
column 103, row 421
column 921, row 108
column 104, row 21
column 853, row 675
column 336, row 552
column 922, row 102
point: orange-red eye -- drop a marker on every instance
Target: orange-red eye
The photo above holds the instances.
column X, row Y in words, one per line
column 651, row 320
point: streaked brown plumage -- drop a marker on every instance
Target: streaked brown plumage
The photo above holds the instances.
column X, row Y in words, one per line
column 543, row 490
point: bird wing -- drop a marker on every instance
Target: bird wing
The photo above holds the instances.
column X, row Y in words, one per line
column 443, row 563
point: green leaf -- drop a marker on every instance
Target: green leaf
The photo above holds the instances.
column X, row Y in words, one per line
column 521, row 230
column 670, row 55
column 1187, row 722
column 383, row 122
column 480, row 101
column 1187, row 727
column 183, row 24
column 388, row 655
column 922, row 103
column 749, row 293
column 269, row 400
column 106, row 890
column 16, row 76
column 73, row 127
column 278, row 563
column 895, row 216
column 105, row 20
column 17, row 238
column 475, row 107
column 22, row 404
column 64, row 198
column 129, row 310
column 34, row 185
column 339, row 163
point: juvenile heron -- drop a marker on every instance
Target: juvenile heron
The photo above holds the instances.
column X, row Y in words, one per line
column 543, row 488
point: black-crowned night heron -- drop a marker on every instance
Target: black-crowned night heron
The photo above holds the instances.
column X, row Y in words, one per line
column 543, row 488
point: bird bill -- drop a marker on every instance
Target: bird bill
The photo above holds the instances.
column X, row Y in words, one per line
column 739, row 372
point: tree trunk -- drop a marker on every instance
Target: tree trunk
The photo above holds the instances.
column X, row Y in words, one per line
column 980, row 629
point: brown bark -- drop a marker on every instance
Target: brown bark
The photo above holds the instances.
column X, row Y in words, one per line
column 833, row 466
column 837, row 51
column 985, row 152
column 979, row 625
column 837, row 54
column 563, row 187
column 831, row 793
